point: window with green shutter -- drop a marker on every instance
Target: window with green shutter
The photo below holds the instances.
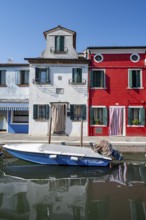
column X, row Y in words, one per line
column 134, row 78
column 97, row 78
column 136, row 116
column 22, row 77
column 59, row 43
column 40, row 112
column 77, row 112
column 98, row 116
column 76, row 75
column 42, row 76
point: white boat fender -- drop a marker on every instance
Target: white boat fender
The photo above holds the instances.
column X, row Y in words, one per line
column 74, row 158
column 53, row 156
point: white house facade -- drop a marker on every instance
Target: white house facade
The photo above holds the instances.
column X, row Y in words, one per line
column 58, row 86
column 14, row 97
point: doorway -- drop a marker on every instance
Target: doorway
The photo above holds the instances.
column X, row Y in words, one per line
column 58, row 118
column 116, row 122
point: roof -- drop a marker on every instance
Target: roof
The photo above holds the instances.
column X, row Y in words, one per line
column 64, row 29
column 116, row 47
column 14, row 65
column 58, row 28
column 58, row 61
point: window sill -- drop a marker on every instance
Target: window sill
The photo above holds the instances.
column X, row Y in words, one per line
column 99, row 88
column 98, row 125
column 3, row 85
column 134, row 88
column 23, row 85
column 133, row 126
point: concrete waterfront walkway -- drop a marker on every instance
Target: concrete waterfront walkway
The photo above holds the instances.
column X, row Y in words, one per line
column 123, row 144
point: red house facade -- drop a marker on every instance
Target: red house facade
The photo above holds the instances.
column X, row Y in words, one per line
column 117, row 91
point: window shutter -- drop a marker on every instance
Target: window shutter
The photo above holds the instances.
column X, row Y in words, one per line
column 79, row 78
column 47, row 112
column 137, row 78
column 37, row 75
column 129, row 116
column 57, row 43
column 48, row 75
column 130, row 78
column 61, row 43
column 91, row 116
column 35, row 111
column 91, row 78
column 73, row 75
column 105, row 116
column 27, row 77
column 102, row 79
column 84, row 112
column 72, row 112
column 18, row 82
column 142, row 116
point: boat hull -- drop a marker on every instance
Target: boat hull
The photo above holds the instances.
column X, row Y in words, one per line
column 66, row 160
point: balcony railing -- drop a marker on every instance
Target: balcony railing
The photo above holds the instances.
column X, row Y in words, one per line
column 73, row 82
column 52, row 50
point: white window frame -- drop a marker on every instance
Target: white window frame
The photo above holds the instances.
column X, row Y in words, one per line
column 141, row 79
column 98, row 125
column 16, row 123
column 104, row 87
column 128, row 115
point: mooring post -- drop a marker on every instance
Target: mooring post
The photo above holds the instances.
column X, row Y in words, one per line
column 81, row 138
column 50, row 126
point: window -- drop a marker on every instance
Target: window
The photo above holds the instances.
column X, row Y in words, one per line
column 134, row 57
column 78, row 112
column 134, row 79
column 59, row 43
column 22, row 77
column 98, row 58
column 2, row 77
column 98, row 116
column 42, row 75
column 20, row 117
column 76, row 75
column 136, row 116
column 98, row 78
column 41, row 112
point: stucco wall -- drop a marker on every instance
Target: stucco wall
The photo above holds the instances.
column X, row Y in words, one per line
column 45, row 94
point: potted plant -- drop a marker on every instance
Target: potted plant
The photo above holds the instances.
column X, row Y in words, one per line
column 97, row 121
column 135, row 122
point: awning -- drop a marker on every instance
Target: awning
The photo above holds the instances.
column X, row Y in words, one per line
column 14, row 106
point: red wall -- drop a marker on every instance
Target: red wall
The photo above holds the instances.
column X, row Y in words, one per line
column 116, row 67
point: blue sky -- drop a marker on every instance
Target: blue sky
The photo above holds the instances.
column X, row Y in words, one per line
column 96, row 22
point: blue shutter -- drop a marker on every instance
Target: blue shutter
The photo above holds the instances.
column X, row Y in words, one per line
column 142, row 116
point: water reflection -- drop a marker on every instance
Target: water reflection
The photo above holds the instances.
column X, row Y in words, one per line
column 42, row 192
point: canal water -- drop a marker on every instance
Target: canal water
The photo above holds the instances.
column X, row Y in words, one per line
column 35, row 192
